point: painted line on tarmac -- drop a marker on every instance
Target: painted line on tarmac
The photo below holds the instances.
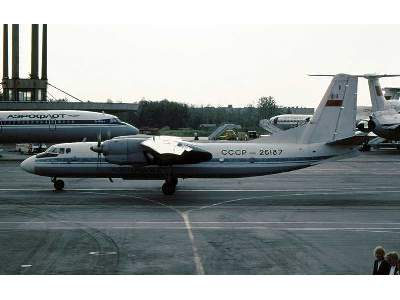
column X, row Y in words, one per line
column 291, row 195
column 189, row 190
column 199, row 267
column 196, row 256
column 356, row 229
column 198, row 222
column 188, row 228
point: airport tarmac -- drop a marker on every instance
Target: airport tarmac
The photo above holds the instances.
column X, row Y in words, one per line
column 322, row 220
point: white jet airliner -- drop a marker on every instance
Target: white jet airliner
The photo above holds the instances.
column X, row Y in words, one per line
column 385, row 118
column 329, row 135
column 60, row 126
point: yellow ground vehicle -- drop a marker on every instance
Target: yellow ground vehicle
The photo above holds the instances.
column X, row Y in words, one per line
column 229, row 135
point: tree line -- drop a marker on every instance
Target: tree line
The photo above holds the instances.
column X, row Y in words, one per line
column 158, row 114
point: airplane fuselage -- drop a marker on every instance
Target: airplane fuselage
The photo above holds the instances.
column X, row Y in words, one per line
column 229, row 160
column 59, row 126
column 288, row 121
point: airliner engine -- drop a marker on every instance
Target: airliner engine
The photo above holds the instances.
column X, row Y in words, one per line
column 163, row 151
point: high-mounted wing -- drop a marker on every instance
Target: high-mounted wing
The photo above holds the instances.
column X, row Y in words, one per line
column 166, row 150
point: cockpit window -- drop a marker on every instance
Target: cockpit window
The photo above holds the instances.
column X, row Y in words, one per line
column 51, row 152
column 52, row 149
column 115, row 121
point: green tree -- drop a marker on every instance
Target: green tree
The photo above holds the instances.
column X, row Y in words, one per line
column 267, row 107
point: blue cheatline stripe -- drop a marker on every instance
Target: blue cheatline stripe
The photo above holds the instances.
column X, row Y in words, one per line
column 94, row 160
column 46, row 126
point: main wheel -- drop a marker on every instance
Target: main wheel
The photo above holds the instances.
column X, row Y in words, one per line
column 366, row 148
column 168, row 189
column 58, row 185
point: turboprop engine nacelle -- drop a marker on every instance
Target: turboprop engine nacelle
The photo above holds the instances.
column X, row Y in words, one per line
column 124, row 151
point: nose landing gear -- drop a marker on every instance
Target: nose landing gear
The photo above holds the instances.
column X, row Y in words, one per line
column 169, row 186
column 58, row 184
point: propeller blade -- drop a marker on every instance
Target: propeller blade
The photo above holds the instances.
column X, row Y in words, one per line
column 99, row 139
column 98, row 148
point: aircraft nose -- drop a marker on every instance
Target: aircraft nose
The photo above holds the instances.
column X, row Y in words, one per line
column 135, row 130
column 29, row 165
column 132, row 130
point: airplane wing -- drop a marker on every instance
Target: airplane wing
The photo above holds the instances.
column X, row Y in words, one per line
column 167, row 150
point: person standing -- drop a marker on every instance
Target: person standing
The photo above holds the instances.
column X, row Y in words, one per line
column 393, row 260
column 381, row 266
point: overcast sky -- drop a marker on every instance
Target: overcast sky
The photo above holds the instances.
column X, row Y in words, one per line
column 217, row 65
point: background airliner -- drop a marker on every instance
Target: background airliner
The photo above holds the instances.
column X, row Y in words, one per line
column 385, row 118
column 60, row 126
column 287, row 121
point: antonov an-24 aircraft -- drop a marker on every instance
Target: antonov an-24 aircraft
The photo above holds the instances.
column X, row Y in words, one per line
column 329, row 135
column 57, row 126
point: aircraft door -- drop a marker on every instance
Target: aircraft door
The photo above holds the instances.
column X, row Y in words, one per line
column 52, row 125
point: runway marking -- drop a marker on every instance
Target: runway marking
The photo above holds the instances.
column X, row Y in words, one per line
column 197, row 258
column 198, row 222
column 103, row 253
column 187, row 190
column 266, row 228
column 199, row 267
column 185, row 217
column 26, row 266
column 285, row 195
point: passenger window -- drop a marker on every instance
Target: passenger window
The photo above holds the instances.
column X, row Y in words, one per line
column 68, row 150
column 61, row 150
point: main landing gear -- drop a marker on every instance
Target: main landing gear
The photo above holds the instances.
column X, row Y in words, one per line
column 58, row 184
column 169, row 185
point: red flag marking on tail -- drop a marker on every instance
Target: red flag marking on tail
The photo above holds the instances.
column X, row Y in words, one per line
column 334, row 103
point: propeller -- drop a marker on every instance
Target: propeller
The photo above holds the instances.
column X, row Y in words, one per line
column 98, row 148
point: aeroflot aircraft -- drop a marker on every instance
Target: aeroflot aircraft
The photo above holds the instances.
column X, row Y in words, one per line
column 289, row 120
column 329, row 135
column 59, row 126
column 385, row 118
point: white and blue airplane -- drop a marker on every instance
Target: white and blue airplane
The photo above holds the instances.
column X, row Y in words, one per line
column 329, row 135
column 385, row 118
column 57, row 126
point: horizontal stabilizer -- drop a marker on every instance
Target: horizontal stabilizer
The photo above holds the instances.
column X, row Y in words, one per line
column 363, row 75
column 354, row 140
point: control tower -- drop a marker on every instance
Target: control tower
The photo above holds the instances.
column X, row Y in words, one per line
column 33, row 88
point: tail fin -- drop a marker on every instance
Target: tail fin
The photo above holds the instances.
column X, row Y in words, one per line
column 375, row 90
column 334, row 119
column 335, row 116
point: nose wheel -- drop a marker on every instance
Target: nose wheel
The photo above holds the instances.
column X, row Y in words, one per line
column 169, row 186
column 58, row 184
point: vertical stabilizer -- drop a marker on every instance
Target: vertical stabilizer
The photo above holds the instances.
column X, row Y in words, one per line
column 375, row 91
column 335, row 116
